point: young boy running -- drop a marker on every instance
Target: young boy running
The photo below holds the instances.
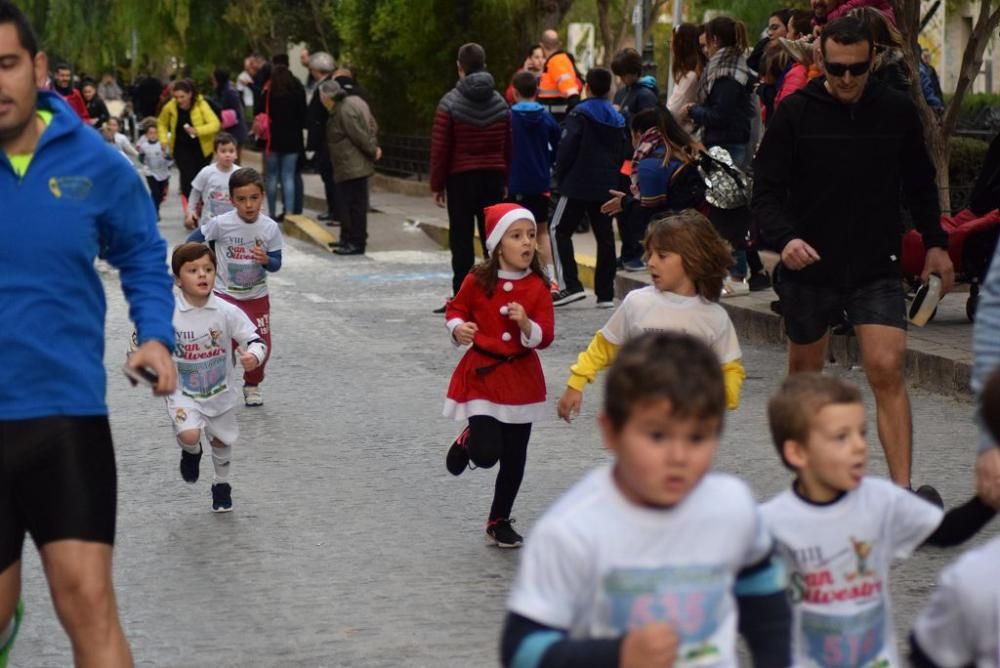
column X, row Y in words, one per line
column 841, row 530
column 210, row 187
column 960, row 625
column 247, row 245
column 652, row 559
column 205, row 328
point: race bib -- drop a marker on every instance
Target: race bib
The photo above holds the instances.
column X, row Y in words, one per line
column 243, row 276
column 845, row 641
column 202, row 379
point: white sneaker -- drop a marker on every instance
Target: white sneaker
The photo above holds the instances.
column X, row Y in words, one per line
column 732, row 287
column 610, row 303
column 252, row 396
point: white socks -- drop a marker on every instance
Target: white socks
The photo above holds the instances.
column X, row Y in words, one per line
column 190, row 449
column 220, row 459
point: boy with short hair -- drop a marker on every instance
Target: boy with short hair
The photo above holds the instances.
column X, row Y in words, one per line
column 651, row 560
column 535, row 135
column 210, row 187
column 247, row 246
column 960, row 625
column 587, row 168
column 841, row 530
column 155, row 162
column 205, row 328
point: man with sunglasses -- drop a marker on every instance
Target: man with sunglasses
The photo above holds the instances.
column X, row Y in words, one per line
column 829, row 176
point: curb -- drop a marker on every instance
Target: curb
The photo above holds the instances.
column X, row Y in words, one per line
column 306, row 229
column 926, row 366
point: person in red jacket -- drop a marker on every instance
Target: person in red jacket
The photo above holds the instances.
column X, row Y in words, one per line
column 63, row 84
column 470, row 156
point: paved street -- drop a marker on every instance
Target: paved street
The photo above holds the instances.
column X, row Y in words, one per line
column 350, row 545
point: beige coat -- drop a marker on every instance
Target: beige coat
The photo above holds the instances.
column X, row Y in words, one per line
column 352, row 137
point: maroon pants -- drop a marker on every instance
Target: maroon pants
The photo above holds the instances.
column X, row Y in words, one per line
column 259, row 312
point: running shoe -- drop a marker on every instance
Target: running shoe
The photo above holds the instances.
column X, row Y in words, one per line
column 441, row 309
column 502, row 534
column 457, row 459
column 190, row 463
column 732, row 287
column 605, row 303
column 759, row 281
column 252, row 395
column 6, row 647
column 222, row 497
column 564, row 297
column 931, row 495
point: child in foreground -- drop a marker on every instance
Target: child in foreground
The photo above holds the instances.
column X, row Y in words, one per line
column 205, row 328
column 688, row 261
column 503, row 311
column 960, row 625
column 841, row 530
column 247, row 247
column 652, row 560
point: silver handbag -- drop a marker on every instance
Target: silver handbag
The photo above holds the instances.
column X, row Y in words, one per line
column 726, row 186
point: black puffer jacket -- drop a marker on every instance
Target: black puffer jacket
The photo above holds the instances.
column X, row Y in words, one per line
column 832, row 174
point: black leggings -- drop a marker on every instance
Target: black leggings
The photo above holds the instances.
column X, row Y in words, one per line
column 491, row 441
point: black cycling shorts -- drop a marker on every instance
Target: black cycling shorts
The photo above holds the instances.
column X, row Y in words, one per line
column 809, row 310
column 57, row 481
column 538, row 205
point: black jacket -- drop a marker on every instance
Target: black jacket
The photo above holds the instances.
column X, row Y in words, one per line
column 832, row 174
column 98, row 111
column 590, row 153
column 288, row 118
column 725, row 115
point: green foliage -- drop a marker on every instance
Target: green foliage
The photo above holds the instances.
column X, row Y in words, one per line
column 973, row 104
column 964, row 164
column 753, row 13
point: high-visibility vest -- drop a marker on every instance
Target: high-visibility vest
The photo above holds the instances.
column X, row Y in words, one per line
column 558, row 81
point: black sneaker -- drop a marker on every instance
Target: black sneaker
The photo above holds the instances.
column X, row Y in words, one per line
column 457, row 459
column 931, row 495
column 222, row 497
column 502, row 534
column 441, row 309
column 190, row 465
column 324, row 217
column 564, row 297
column 759, row 281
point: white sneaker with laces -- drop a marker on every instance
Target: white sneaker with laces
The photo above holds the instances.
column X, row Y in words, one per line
column 732, row 287
column 252, row 395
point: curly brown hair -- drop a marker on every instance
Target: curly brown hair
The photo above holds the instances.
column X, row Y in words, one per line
column 705, row 256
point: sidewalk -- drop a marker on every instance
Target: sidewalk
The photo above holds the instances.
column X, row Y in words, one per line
column 939, row 356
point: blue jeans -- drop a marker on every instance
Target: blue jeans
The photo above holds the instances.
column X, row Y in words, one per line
column 280, row 166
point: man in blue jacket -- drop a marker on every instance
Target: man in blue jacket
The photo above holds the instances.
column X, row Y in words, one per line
column 588, row 165
column 67, row 197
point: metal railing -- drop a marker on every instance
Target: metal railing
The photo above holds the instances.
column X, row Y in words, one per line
column 405, row 156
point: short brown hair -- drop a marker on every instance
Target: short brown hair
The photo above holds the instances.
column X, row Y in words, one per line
column 222, row 139
column 989, row 405
column 526, row 84
column 245, row 176
column 189, row 252
column 665, row 365
column 799, row 398
column 627, row 61
column 148, row 122
column 471, row 57
column 705, row 255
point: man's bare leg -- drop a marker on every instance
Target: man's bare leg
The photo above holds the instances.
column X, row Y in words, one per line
column 79, row 574
column 883, row 355
column 807, row 356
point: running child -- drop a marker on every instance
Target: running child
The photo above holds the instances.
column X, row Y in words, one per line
column 205, row 397
column 960, row 625
column 247, row 246
column 503, row 311
column 210, row 187
column 841, row 530
column 535, row 139
column 651, row 560
column 688, row 261
column 155, row 163
column 110, row 130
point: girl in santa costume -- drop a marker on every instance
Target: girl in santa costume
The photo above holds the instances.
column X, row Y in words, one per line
column 503, row 313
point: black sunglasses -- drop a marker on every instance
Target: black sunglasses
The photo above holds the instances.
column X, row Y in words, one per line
column 840, row 69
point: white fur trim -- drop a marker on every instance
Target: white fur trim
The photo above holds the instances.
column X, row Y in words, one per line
column 511, row 414
column 535, row 338
column 504, row 223
column 452, row 325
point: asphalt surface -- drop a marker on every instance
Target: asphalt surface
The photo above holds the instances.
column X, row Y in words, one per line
column 350, row 545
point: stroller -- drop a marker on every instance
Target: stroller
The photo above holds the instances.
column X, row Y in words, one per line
column 972, row 239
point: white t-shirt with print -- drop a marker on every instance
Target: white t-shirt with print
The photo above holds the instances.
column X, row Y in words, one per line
column 203, row 352
column 239, row 275
column 650, row 310
column 213, row 184
column 960, row 626
column 598, row 566
column 839, row 556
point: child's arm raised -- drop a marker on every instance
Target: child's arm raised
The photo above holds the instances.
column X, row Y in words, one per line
column 598, row 355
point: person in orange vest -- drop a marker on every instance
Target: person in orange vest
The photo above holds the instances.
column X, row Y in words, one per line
column 559, row 86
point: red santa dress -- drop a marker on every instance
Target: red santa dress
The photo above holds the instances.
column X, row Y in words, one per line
column 500, row 375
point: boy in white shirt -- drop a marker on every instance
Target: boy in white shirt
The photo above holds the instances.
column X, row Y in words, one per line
column 960, row 625
column 155, row 162
column 205, row 397
column 247, row 246
column 840, row 530
column 652, row 560
column 211, row 186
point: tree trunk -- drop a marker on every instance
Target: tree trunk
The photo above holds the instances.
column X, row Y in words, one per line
column 550, row 12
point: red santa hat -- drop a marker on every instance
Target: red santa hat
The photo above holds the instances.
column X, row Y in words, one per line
column 499, row 218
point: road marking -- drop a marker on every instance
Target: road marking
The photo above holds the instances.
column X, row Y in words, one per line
column 411, row 257
column 315, row 299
